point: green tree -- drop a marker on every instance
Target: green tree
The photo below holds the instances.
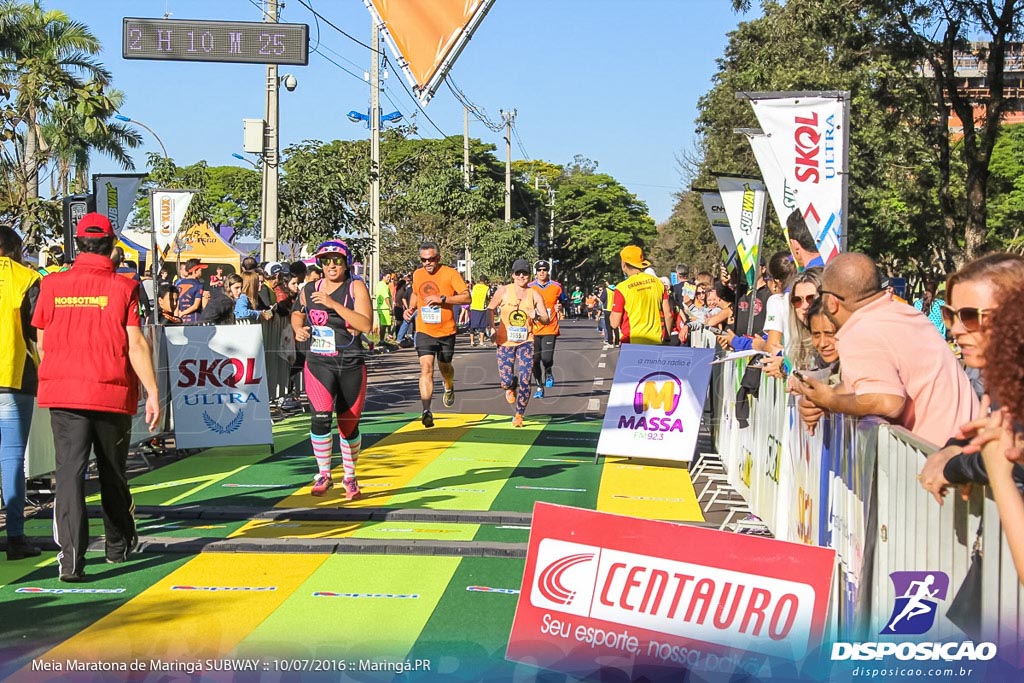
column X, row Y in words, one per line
column 1006, row 188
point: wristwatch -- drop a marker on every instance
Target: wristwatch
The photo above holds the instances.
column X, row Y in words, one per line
column 443, row 298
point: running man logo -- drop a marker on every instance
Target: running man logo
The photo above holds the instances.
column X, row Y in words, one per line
column 658, row 391
column 917, row 596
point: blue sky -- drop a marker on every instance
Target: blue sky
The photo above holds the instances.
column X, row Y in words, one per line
column 614, row 80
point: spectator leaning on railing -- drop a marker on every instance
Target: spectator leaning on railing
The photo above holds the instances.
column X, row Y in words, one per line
column 894, row 365
column 974, row 293
column 1000, row 435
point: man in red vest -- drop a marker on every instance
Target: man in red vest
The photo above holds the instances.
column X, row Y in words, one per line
column 94, row 355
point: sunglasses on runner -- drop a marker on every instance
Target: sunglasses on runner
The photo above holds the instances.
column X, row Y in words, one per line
column 430, row 259
column 970, row 318
column 523, row 273
column 809, row 298
column 332, row 260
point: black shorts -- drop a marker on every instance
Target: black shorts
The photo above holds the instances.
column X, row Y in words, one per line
column 442, row 347
column 477, row 321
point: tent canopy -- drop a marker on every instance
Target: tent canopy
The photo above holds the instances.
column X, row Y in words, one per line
column 202, row 242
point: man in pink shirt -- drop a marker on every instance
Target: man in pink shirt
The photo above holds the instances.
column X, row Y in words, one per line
column 893, row 364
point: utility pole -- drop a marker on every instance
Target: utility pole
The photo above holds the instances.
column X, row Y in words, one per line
column 268, row 237
column 536, row 217
column 466, row 178
column 509, row 117
column 374, row 274
column 551, row 230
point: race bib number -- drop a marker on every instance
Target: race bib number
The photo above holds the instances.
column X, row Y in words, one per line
column 322, row 341
column 431, row 315
column 518, row 334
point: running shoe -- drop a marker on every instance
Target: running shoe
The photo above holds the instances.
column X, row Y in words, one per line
column 517, row 421
column 449, row 397
column 351, row 488
column 539, row 393
column 427, row 418
column 18, row 548
column 510, row 395
column 116, row 555
column 550, row 381
column 321, row 484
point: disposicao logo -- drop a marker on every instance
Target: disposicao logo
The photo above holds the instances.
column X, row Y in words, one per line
column 917, row 596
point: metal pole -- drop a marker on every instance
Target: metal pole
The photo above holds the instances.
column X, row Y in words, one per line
column 153, row 133
column 268, row 236
column 509, row 117
column 845, row 222
column 374, row 274
column 465, row 173
column 551, row 231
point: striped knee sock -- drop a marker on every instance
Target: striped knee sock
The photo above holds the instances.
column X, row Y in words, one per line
column 322, row 451
column 350, row 453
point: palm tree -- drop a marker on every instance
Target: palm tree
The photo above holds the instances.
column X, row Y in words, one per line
column 47, row 60
column 71, row 142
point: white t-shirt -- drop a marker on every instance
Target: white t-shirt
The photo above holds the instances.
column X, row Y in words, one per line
column 775, row 318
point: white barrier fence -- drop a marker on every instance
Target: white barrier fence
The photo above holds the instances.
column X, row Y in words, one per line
column 39, row 456
column 853, row 486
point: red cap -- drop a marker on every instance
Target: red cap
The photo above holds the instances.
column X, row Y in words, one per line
column 94, row 225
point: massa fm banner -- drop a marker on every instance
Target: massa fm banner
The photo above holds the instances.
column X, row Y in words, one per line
column 428, row 36
column 656, row 401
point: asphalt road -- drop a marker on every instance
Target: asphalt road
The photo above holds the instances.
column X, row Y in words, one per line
column 583, row 374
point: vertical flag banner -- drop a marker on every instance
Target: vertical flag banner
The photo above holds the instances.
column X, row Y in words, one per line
column 807, row 136
column 218, row 378
column 715, row 211
column 745, row 201
column 115, row 196
column 780, row 191
column 169, row 208
column 656, row 401
column 428, row 36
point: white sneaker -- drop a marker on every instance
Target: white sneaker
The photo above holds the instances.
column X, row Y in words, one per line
column 606, row 347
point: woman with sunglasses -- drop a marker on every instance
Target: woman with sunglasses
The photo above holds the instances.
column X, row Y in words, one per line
column 973, row 293
column 333, row 314
column 522, row 308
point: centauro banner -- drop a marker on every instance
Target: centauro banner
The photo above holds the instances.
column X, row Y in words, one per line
column 115, row 196
column 744, row 201
column 428, row 36
column 169, row 208
column 806, row 135
column 713, row 207
column 218, row 378
column 663, row 601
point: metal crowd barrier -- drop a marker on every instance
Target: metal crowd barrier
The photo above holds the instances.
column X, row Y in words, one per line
column 853, row 486
column 40, row 457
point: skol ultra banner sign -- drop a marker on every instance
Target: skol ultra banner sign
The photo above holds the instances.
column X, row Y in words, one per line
column 219, row 386
column 656, row 401
column 807, row 137
column 604, row 591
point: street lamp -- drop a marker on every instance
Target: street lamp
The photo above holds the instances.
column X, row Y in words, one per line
column 357, row 116
column 140, row 124
column 246, row 160
column 374, row 121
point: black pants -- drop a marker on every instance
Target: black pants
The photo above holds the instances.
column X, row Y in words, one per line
column 543, row 354
column 610, row 336
column 76, row 433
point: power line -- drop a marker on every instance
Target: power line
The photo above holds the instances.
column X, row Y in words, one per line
column 416, row 102
column 477, row 112
column 335, row 26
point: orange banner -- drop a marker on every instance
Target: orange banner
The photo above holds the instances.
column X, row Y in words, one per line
column 429, row 35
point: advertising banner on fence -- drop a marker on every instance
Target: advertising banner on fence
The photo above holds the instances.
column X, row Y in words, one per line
column 169, row 208
column 656, row 401
column 807, row 137
column 115, row 196
column 719, row 220
column 744, row 202
column 605, row 591
column 218, row 386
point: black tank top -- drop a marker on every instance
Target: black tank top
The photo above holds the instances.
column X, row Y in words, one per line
column 347, row 342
